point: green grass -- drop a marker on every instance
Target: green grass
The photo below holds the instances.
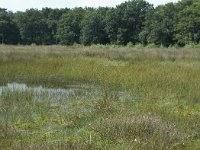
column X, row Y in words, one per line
column 163, row 111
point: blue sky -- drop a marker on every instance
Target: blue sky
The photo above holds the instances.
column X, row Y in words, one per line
column 15, row 5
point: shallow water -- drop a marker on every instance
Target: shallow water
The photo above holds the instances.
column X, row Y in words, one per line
column 58, row 99
column 54, row 93
column 84, row 92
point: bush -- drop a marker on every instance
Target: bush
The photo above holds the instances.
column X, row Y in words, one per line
column 130, row 44
column 152, row 45
column 192, row 45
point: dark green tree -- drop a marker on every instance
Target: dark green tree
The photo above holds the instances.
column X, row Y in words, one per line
column 132, row 15
column 93, row 28
column 134, row 21
column 52, row 17
column 33, row 27
column 112, row 20
column 159, row 26
column 9, row 33
column 69, row 26
column 188, row 26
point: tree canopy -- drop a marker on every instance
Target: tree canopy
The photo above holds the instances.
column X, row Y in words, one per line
column 134, row 21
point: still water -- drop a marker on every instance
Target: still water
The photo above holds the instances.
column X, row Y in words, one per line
column 83, row 92
column 54, row 93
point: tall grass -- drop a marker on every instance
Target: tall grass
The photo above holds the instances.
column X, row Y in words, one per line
column 162, row 110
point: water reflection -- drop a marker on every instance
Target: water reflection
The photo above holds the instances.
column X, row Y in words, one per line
column 83, row 92
column 53, row 93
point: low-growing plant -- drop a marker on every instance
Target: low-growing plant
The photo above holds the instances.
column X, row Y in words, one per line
column 124, row 98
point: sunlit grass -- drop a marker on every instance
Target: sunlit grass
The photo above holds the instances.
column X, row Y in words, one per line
column 161, row 111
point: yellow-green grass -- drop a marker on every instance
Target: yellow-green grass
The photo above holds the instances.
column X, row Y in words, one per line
column 163, row 113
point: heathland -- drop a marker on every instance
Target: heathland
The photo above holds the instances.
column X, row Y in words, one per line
column 99, row 97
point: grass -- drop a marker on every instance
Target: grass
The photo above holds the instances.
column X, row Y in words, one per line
column 161, row 112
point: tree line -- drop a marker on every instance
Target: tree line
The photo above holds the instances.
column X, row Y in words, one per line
column 135, row 21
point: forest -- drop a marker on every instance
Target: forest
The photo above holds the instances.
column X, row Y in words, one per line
column 132, row 22
column 121, row 78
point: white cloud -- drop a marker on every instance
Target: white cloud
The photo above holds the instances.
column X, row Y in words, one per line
column 96, row 3
column 22, row 5
column 159, row 2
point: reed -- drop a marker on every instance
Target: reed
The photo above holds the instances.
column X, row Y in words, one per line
column 149, row 98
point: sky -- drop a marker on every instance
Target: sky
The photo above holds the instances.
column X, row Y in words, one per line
column 22, row 5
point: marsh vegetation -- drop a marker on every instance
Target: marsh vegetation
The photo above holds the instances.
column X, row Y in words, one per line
column 56, row 97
